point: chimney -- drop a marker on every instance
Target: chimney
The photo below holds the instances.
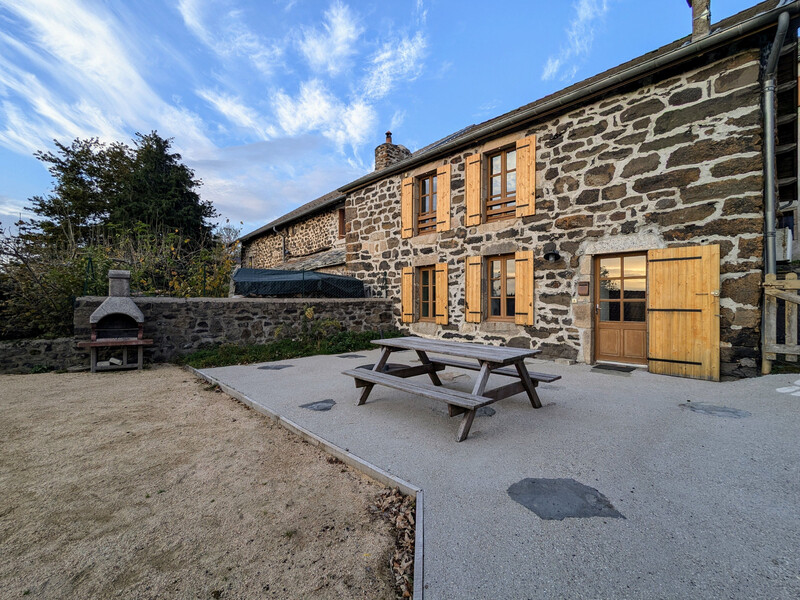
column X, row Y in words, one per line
column 701, row 18
column 119, row 284
column 388, row 153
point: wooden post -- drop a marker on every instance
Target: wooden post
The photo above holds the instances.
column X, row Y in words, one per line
column 790, row 315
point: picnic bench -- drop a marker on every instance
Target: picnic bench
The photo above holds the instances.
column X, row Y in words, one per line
column 487, row 360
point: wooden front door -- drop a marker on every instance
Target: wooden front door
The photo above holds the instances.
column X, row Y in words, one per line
column 620, row 308
column 683, row 311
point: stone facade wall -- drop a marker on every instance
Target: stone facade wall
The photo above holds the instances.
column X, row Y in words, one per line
column 182, row 325
column 317, row 233
column 23, row 356
column 674, row 162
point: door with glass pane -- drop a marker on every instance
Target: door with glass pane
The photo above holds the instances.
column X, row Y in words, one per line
column 621, row 308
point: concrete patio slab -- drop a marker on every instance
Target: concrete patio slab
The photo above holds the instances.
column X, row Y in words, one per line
column 710, row 503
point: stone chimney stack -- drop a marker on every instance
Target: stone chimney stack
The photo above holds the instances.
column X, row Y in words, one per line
column 119, row 284
column 388, row 153
column 701, row 18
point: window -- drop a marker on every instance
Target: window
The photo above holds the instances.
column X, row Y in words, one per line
column 623, row 288
column 499, row 288
column 423, row 294
column 501, row 276
column 502, row 180
column 425, row 202
column 342, row 228
column 427, row 293
column 501, row 183
column 426, row 206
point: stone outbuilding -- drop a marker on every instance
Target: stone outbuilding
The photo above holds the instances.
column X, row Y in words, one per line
column 623, row 219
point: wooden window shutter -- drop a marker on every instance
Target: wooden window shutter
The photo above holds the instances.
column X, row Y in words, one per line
column 442, row 293
column 473, row 175
column 407, row 295
column 407, row 208
column 443, row 198
column 526, row 176
column 472, row 289
column 524, row 275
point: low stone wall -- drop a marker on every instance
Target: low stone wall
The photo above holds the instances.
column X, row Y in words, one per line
column 182, row 325
column 24, row 356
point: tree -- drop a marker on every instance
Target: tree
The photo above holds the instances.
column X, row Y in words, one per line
column 78, row 200
column 160, row 192
column 111, row 206
column 112, row 187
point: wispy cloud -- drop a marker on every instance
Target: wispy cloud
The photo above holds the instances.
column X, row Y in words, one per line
column 233, row 109
column 98, row 91
column 330, row 49
column 228, row 36
column 315, row 108
column 395, row 61
column 580, row 36
column 421, row 13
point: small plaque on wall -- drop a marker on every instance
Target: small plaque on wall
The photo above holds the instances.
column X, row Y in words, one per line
column 583, row 288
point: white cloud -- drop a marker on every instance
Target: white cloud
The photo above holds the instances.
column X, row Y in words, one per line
column 580, row 36
column 315, row 108
column 421, row 13
column 330, row 50
column 398, row 118
column 250, row 182
column 11, row 211
column 394, row 61
column 99, row 92
column 233, row 109
column 228, row 36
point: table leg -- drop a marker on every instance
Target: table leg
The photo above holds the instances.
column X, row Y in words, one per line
column 377, row 367
column 140, row 357
column 466, row 423
column 530, row 386
column 482, row 380
column 93, row 359
column 423, row 358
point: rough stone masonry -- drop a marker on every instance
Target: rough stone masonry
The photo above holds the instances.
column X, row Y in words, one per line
column 675, row 161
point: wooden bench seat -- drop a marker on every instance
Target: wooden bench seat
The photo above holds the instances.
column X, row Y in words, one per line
column 508, row 371
column 455, row 397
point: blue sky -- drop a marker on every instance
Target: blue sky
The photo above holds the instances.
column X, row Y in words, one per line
column 276, row 102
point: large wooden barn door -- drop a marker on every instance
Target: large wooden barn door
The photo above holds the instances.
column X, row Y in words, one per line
column 683, row 311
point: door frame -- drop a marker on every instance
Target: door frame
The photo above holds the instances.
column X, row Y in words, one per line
column 596, row 313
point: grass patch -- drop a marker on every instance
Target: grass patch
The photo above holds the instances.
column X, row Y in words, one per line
column 334, row 343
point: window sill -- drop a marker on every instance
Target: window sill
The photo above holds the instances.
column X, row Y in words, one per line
column 498, row 327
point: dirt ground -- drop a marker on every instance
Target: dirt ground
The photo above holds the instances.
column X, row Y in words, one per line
column 153, row 485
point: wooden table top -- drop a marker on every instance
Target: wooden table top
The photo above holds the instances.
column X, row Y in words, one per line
column 482, row 352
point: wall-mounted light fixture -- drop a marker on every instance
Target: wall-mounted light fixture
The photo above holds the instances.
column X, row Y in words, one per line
column 550, row 252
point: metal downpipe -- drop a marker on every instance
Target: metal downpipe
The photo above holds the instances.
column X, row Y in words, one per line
column 768, row 108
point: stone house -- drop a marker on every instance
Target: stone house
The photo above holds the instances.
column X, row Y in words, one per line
column 311, row 238
column 629, row 218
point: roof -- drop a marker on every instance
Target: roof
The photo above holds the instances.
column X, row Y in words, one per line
column 319, row 204
column 760, row 16
column 319, row 260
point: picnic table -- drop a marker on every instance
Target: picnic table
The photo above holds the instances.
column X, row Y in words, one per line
column 487, row 360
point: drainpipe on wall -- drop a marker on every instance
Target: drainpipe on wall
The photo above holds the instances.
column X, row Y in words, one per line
column 768, row 109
